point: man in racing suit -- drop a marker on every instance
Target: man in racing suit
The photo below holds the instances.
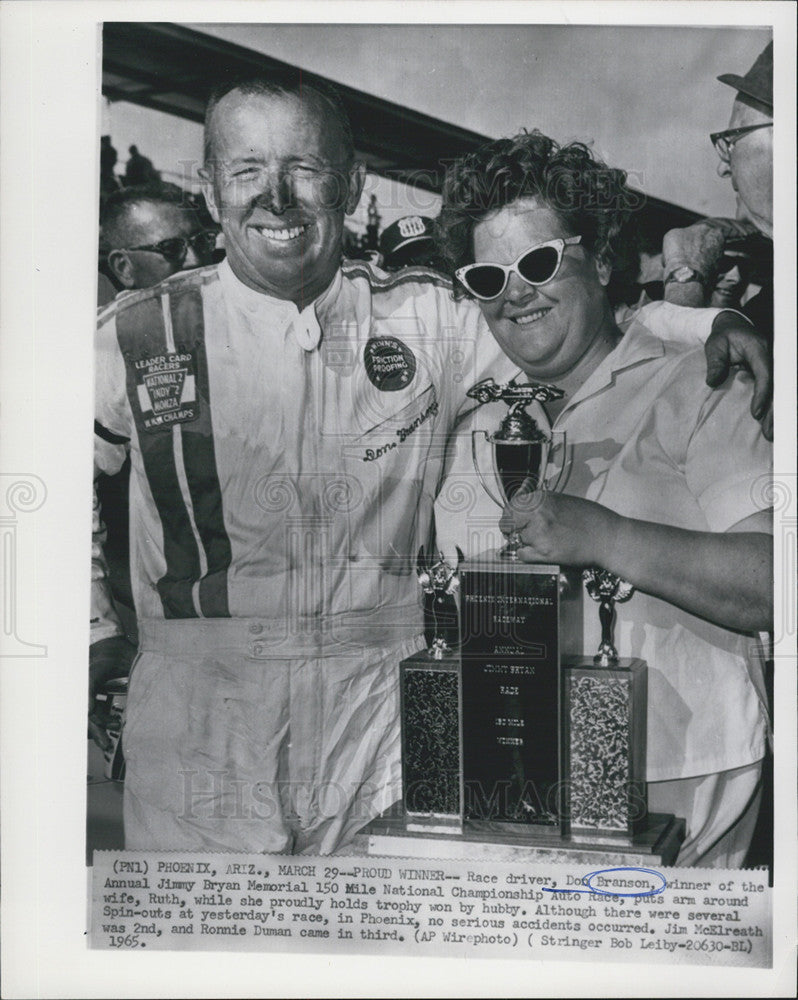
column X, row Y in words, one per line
column 287, row 419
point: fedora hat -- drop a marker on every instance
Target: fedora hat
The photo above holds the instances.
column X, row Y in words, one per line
column 757, row 84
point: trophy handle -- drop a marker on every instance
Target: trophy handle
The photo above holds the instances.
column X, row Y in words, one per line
column 474, row 455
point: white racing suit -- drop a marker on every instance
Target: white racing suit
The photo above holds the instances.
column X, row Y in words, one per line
column 284, row 469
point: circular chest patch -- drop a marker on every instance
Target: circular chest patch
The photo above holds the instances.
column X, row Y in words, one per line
column 390, row 364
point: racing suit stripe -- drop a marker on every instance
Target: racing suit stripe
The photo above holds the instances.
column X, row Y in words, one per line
column 141, row 334
column 199, row 457
column 415, row 275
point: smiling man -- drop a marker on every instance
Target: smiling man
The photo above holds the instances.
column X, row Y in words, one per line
column 287, row 414
column 280, row 187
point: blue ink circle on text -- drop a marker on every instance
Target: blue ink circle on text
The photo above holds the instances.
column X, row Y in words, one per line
column 604, row 892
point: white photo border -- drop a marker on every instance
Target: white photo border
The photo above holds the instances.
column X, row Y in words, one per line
column 50, row 117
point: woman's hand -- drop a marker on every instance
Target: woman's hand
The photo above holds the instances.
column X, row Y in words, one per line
column 556, row 528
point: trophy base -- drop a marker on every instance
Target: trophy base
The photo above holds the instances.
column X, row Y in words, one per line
column 655, row 844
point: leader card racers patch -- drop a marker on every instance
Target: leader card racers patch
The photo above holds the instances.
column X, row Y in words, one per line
column 166, row 388
column 390, row 364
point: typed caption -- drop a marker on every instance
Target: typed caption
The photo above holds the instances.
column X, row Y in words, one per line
column 185, row 902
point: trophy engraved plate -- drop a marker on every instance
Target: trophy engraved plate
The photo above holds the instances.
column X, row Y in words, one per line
column 510, row 648
column 430, row 701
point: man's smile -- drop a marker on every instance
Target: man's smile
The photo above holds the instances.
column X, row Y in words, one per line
column 282, row 235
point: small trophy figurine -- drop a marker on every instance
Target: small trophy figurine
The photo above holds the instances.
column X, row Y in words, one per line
column 520, row 449
column 442, row 581
column 607, row 589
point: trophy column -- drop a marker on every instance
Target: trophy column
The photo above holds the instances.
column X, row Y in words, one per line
column 429, row 685
column 604, row 730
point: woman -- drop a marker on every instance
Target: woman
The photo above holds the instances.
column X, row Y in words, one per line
column 667, row 480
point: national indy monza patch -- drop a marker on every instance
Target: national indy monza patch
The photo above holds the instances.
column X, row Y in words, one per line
column 166, row 389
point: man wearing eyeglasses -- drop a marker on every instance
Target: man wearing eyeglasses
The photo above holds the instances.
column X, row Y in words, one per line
column 148, row 233
column 693, row 257
column 151, row 232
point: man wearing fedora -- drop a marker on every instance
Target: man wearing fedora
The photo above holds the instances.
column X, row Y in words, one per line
column 693, row 261
column 692, row 257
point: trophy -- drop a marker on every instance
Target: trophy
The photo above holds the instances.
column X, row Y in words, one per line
column 605, row 728
column 429, row 685
column 512, row 736
column 520, row 449
column 515, row 617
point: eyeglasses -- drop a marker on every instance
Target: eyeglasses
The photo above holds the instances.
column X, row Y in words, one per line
column 723, row 141
column 536, row 266
column 175, row 249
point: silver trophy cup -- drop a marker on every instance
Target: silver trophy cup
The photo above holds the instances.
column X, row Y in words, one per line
column 519, row 448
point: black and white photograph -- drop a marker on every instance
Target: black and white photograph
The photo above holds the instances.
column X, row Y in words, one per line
column 400, row 506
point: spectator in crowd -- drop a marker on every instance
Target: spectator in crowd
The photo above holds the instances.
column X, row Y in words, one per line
column 286, row 415
column 692, row 257
column 139, row 169
column 108, row 179
column 151, row 232
column 148, row 233
column 636, row 278
column 736, row 257
column 409, row 242
column 665, row 482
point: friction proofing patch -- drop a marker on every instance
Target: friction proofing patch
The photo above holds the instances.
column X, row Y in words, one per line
column 390, row 364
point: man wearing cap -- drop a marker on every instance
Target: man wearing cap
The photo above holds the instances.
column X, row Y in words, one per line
column 408, row 242
column 691, row 256
column 287, row 416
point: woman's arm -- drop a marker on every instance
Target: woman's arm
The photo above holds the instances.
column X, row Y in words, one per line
column 723, row 577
